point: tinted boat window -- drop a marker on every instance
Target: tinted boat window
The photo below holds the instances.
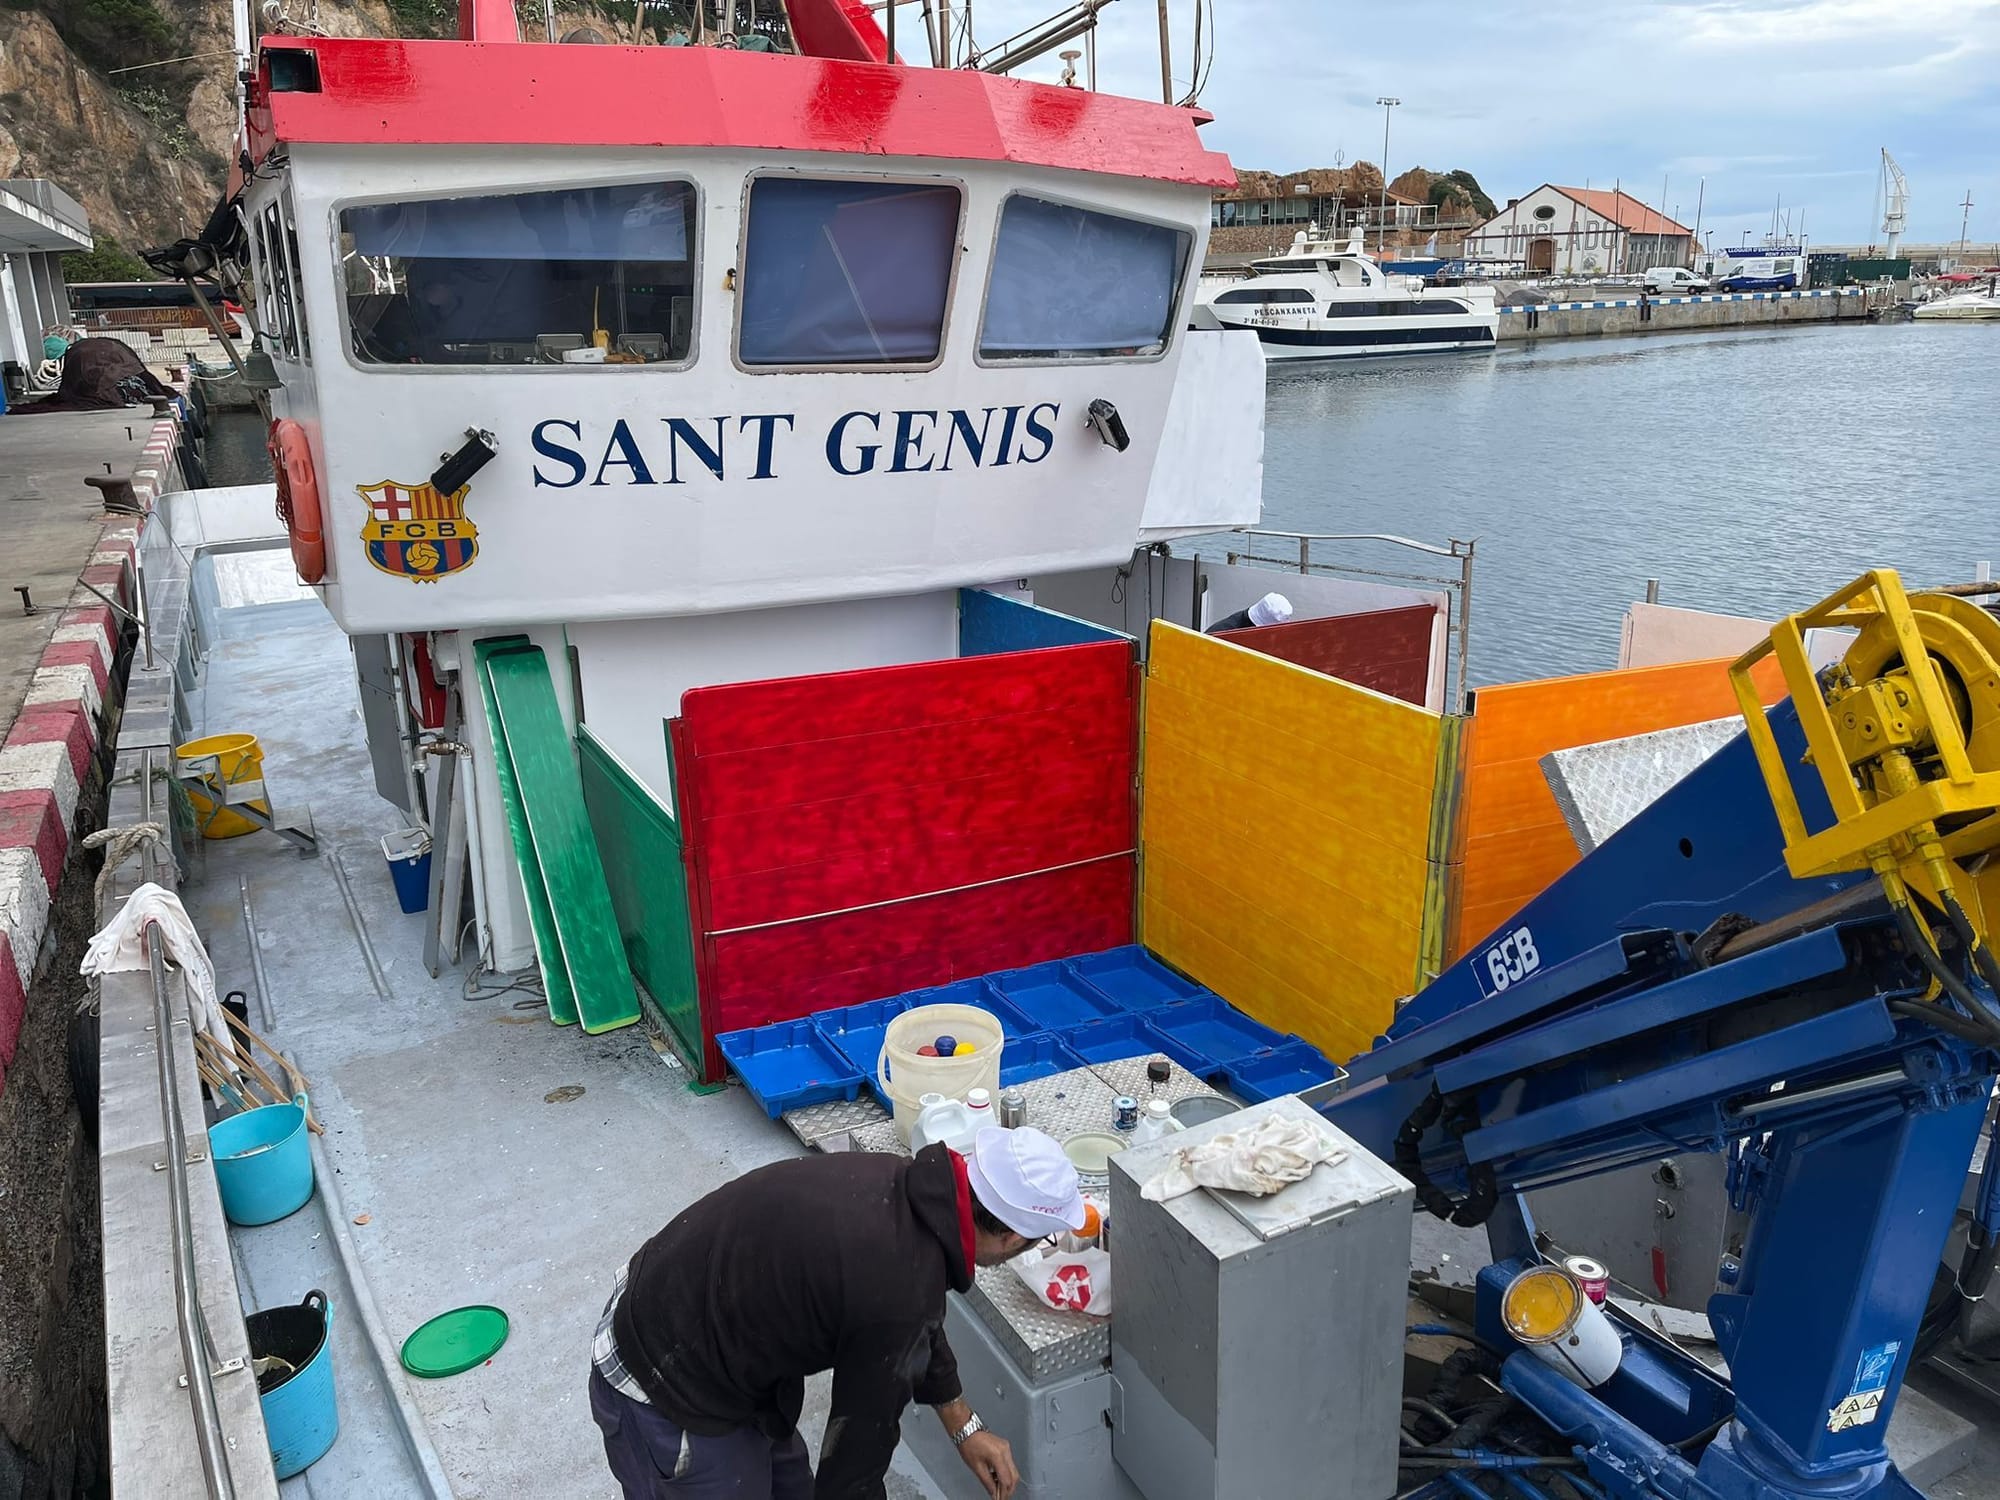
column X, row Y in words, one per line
column 1268, row 294
column 846, row 271
column 580, row 275
column 1073, row 283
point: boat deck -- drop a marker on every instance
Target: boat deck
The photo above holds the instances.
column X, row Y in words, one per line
column 475, row 1153
column 480, row 1154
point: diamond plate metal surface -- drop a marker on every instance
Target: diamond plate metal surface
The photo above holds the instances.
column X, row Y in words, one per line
column 1044, row 1341
column 1600, row 788
column 1128, row 1076
column 816, row 1122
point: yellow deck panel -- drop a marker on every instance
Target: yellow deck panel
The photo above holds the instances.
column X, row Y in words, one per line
column 1285, row 837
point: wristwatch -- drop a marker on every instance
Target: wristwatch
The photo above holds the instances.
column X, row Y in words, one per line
column 973, row 1425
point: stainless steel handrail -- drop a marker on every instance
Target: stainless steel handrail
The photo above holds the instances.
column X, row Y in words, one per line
column 1456, row 550
column 195, row 1350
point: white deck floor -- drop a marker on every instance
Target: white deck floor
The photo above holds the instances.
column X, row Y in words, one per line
column 475, row 1189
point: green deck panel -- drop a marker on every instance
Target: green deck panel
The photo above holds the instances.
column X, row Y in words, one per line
column 537, row 741
column 541, row 917
column 640, row 845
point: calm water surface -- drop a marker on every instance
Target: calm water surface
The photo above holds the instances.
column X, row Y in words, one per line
column 1749, row 472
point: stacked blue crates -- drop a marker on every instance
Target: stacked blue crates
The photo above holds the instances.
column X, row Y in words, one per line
column 1064, row 1014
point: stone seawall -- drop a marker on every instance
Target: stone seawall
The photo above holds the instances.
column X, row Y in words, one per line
column 54, row 768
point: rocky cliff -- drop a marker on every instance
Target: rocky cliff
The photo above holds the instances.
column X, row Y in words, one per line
column 145, row 149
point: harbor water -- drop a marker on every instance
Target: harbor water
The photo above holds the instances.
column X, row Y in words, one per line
column 1750, row 473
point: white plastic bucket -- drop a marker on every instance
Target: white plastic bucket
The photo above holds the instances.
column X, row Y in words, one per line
column 905, row 1076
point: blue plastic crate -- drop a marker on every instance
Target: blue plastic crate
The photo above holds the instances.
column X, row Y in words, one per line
column 856, row 1031
column 1287, row 1069
column 1051, row 997
column 1212, row 1027
column 1128, row 1034
column 1042, row 1055
column 976, row 993
column 1133, row 978
column 789, row 1065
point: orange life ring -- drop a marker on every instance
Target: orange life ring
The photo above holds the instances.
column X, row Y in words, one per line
column 298, row 498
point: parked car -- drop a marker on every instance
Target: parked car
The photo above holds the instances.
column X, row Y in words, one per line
column 1673, row 280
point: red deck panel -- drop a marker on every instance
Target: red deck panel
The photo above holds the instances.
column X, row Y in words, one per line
column 859, row 834
column 1388, row 650
column 398, row 92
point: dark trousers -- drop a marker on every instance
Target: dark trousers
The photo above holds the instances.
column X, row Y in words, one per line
column 652, row 1457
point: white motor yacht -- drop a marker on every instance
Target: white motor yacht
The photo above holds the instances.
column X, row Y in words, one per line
column 1979, row 302
column 1322, row 300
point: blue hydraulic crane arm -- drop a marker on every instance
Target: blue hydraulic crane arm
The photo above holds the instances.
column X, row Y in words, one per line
column 1731, row 972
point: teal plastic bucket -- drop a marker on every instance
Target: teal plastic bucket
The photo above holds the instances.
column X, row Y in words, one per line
column 263, row 1164
column 300, row 1418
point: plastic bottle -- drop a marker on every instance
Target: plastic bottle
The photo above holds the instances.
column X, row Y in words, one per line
column 951, row 1121
column 979, row 1105
column 1157, row 1121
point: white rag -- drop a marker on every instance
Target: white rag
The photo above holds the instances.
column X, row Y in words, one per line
column 120, row 948
column 1272, row 1154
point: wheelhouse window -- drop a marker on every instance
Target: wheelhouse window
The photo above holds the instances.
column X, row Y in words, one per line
column 574, row 276
column 1268, row 294
column 1072, row 283
column 846, row 272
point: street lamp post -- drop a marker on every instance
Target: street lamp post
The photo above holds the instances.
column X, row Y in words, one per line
column 1381, row 232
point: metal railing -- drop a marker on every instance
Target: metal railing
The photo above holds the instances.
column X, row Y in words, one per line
column 197, row 1349
column 1457, row 584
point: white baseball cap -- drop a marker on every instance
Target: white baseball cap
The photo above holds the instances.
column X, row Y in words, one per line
column 1272, row 609
column 1024, row 1180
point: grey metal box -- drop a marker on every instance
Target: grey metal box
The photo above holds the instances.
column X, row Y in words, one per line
column 1056, row 1426
column 1257, row 1343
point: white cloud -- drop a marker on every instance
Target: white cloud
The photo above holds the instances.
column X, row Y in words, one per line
column 1764, row 98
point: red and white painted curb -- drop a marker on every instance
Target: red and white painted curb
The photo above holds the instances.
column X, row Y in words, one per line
column 46, row 754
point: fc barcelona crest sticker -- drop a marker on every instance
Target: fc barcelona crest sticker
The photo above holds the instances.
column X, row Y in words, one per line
column 414, row 532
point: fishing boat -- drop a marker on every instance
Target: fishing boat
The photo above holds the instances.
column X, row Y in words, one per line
column 1323, row 299
column 734, row 486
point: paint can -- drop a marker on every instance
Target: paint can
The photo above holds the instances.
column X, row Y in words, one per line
column 1125, row 1112
column 1546, row 1311
column 1591, row 1276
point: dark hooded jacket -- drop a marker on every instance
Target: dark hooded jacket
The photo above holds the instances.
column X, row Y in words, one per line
column 823, row 1263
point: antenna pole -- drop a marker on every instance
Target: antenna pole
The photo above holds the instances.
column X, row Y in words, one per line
column 1166, row 59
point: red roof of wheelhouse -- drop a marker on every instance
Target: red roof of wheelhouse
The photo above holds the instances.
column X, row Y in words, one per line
column 395, row 92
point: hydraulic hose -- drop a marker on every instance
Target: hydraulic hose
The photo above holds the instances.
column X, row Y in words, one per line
column 1984, row 1030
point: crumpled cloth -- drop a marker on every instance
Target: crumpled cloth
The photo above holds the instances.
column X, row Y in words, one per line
column 120, row 948
column 1270, row 1155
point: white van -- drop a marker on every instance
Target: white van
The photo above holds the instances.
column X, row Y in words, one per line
column 1673, row 280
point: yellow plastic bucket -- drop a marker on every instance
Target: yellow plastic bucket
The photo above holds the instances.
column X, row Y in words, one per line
column 235, row 758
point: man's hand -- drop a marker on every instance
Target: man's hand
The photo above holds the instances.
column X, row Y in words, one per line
column 992, row 1463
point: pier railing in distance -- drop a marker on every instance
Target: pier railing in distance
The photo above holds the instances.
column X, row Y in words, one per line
column 1455, row 579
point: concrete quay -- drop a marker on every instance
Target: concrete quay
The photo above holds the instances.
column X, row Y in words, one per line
column 1628, row 313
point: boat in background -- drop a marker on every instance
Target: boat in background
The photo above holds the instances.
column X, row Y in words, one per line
column 1324, row 300
column 1980, row 303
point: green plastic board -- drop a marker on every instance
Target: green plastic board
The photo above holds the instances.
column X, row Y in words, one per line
column 640, row 845
column 541, row 919
column 537, row 740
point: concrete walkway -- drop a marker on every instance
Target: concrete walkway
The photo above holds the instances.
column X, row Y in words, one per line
column 49, row 522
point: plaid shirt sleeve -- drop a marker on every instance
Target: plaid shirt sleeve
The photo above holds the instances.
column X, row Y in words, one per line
column 604, row 1348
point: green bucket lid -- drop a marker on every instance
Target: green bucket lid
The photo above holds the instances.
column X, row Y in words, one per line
column 453, row 1342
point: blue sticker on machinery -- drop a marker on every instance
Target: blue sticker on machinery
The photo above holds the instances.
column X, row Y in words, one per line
column 1863, row 1404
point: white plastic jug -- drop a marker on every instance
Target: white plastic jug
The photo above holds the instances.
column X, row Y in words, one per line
column 1157, row 1121
column 951, row 1121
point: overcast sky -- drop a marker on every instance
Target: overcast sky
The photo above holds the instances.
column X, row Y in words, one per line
column 1767, row 99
